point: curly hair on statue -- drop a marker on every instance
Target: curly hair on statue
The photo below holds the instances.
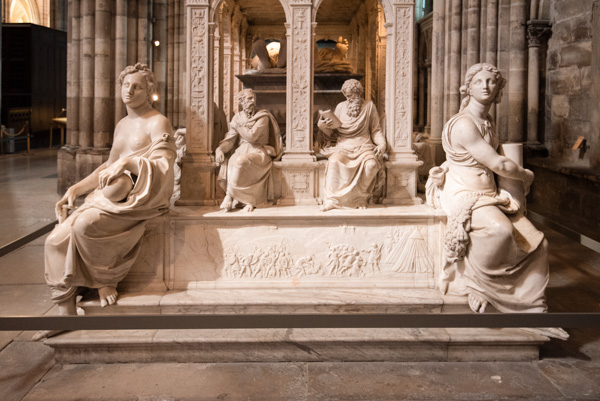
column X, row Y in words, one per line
column 352, row 86
column 471, row 72
column 148, row 75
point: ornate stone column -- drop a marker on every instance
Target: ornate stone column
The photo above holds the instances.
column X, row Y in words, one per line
column 537, row 31
column 298, row 163
column 227, row 62
column 402, row 165
column 198, row 167
column 236, row 86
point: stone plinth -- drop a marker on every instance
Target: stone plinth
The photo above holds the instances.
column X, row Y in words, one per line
column 290, row 260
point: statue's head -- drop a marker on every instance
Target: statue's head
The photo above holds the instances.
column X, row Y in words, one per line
column 247, row 99
column 148, row 75
column 473, row 77
column 352, row 88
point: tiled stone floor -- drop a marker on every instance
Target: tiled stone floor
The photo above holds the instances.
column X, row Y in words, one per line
column 566, row 371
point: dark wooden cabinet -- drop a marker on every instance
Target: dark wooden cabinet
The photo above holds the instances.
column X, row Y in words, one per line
column 34, row 76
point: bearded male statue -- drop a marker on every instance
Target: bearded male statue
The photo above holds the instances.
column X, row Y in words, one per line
column 253, row 142
column 356, row 159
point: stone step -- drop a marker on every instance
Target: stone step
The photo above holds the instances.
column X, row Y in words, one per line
column 277, row 300
column 306, row 345
column 295, row 345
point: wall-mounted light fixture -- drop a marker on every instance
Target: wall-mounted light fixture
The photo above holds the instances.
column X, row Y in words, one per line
column 157, row 43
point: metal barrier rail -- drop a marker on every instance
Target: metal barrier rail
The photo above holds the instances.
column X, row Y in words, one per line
column 275, row 321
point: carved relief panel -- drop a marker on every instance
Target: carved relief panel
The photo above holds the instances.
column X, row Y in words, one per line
column 394, row 254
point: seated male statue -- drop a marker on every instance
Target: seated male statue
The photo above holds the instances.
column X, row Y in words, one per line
column 255, row 140
column 96, row 245
column 356, row 159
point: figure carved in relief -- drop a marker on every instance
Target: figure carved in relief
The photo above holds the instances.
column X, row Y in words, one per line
column 96, row 245
column 493, row 253
column 357, row 158
column 246, row 155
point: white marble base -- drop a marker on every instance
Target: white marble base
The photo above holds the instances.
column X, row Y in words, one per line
column 291, row 260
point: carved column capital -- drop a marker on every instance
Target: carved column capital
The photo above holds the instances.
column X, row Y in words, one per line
column 537, row 32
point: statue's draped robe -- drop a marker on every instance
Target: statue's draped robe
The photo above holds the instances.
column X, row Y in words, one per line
column 99, row 242
column 346, row 185
column 502, row 261
column 246, row 175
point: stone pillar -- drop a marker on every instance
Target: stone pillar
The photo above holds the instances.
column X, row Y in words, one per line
column 473, row 32
column 159, row 53
column 428, row 108
column 421, row 105
column 491, row 38
column 132, row 31
column 518, row 71
column 227, row 63
column 436, row 89
column 172, row 22
column 218, row 61
column 120, row 54
column 455, row 79
column 198, row 167
column 183, row 56
column 73, row 77
column 142, row 32
column 503, row 63
column 298, row 163
column 236, row 70
column 103, row 84
column 402, row 165
column 536, row 30
column 86, row 105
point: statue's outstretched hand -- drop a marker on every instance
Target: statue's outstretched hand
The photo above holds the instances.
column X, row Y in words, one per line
column 219, row 156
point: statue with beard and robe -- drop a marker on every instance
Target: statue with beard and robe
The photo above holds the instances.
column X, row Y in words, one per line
column 357, row 157
column 252, row 143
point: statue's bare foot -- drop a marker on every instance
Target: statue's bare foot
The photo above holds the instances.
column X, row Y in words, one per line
column 249, row 208
column 64, row 309
column 108, row 296
column 477, row 303
column 227, row 203
column 327, row 206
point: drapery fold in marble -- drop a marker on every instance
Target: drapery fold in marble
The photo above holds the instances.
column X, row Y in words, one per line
column 99, row 242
